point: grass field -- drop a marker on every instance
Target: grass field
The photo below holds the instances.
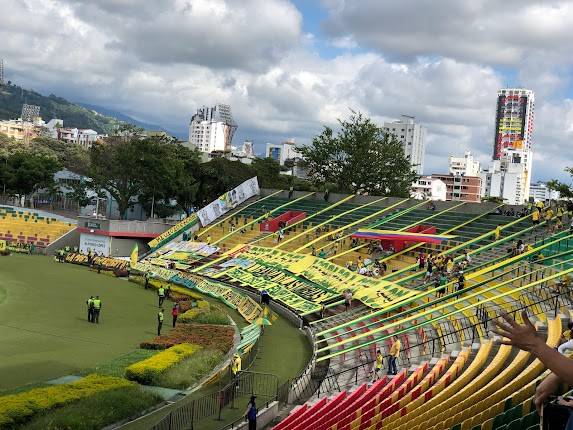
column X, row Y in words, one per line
column 44, row 330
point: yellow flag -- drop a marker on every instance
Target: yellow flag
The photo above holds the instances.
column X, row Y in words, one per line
column 133, row 257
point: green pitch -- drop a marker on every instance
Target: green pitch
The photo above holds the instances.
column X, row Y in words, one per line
column 44, row 332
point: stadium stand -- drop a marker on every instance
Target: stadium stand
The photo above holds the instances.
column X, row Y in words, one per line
column 30, row 227
column 454, row 373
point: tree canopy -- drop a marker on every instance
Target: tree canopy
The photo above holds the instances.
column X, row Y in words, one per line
column 360, row 157
column 565, row 190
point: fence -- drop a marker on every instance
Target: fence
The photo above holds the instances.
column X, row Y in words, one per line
column 545, row 300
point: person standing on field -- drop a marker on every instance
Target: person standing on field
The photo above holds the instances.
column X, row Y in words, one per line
column 159, row 321
column 175, row 313
column 161, row 294
column 90, row 304
column 97, row 309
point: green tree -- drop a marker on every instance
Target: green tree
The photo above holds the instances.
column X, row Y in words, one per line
column 30, row 172
column 565, row 190
column 361, row 157
column 219, row 176
column 117, row 167
column 268, row 172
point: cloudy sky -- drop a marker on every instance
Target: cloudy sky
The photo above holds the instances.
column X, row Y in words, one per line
column 289, row 67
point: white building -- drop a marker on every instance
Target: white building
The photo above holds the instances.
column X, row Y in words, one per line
column 508, row 177
column 282, row 151
column 212, row 129
column 77, row 136
column 412, row 135
column 540, row 193
column 464, row 166
column 427, row 187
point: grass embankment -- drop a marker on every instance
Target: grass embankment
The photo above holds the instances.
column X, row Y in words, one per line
column 97, row 411
column 44, row 330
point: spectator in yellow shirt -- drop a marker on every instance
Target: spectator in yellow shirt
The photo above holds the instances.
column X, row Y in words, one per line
column 394, row 353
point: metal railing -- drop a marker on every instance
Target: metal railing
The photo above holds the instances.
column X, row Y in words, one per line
column 545, row 300
column 245, row 384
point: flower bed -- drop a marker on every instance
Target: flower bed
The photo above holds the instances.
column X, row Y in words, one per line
column 20, row 407
column 145, row 371
column 190, row 315
column 209, row 336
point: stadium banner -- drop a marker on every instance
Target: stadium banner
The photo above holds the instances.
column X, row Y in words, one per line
column 228, row 201
column 191, row 223
column 106, row 263
column 96, row 244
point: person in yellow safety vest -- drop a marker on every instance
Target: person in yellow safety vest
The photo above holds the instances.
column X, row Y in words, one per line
column 159, row 321
column 535, row 217
column 549, row 218
column 97, row 309
column 497, row 232
column 236, row 365
column 90, row 304
column 394, row 353
column 379, row 365
column 161, row 294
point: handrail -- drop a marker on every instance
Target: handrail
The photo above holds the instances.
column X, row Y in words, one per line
column 384, row 221
column 377, row 213
column 461, row 246
column 331, row 219
column 431, row 320
column 457, row 293
column 400, row 303
column 473, row 328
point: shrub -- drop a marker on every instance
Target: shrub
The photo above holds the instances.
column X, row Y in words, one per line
column 214, row 317
column 20, row 407
column 191, row 370
column 145, row 371
column 209, row 336
column 97, row 411
column 190, row 315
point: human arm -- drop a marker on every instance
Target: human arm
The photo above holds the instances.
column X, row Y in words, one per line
column 525, row 337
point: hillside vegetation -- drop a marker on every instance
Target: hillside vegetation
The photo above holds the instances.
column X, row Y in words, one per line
column 12, row 97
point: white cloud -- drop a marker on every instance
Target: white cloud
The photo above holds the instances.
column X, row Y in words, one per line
column 158, row 61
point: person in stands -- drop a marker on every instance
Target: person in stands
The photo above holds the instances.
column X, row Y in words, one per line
column 566, row 339
column 379, row 365
column 524, row 336
column 394, row 354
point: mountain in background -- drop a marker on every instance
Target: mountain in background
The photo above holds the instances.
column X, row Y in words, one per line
column 126, row 118
column 98, row 118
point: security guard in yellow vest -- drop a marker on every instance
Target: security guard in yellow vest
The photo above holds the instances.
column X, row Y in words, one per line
column 90, row 304
column 236, row 365
column 159, row 321
column 161, row 295
column 97, row 309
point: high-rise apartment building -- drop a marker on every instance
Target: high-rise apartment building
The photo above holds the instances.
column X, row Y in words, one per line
column 464, row 166
column 509, row 175
column 514, row 120
column 412, row 135
column 212, row 128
